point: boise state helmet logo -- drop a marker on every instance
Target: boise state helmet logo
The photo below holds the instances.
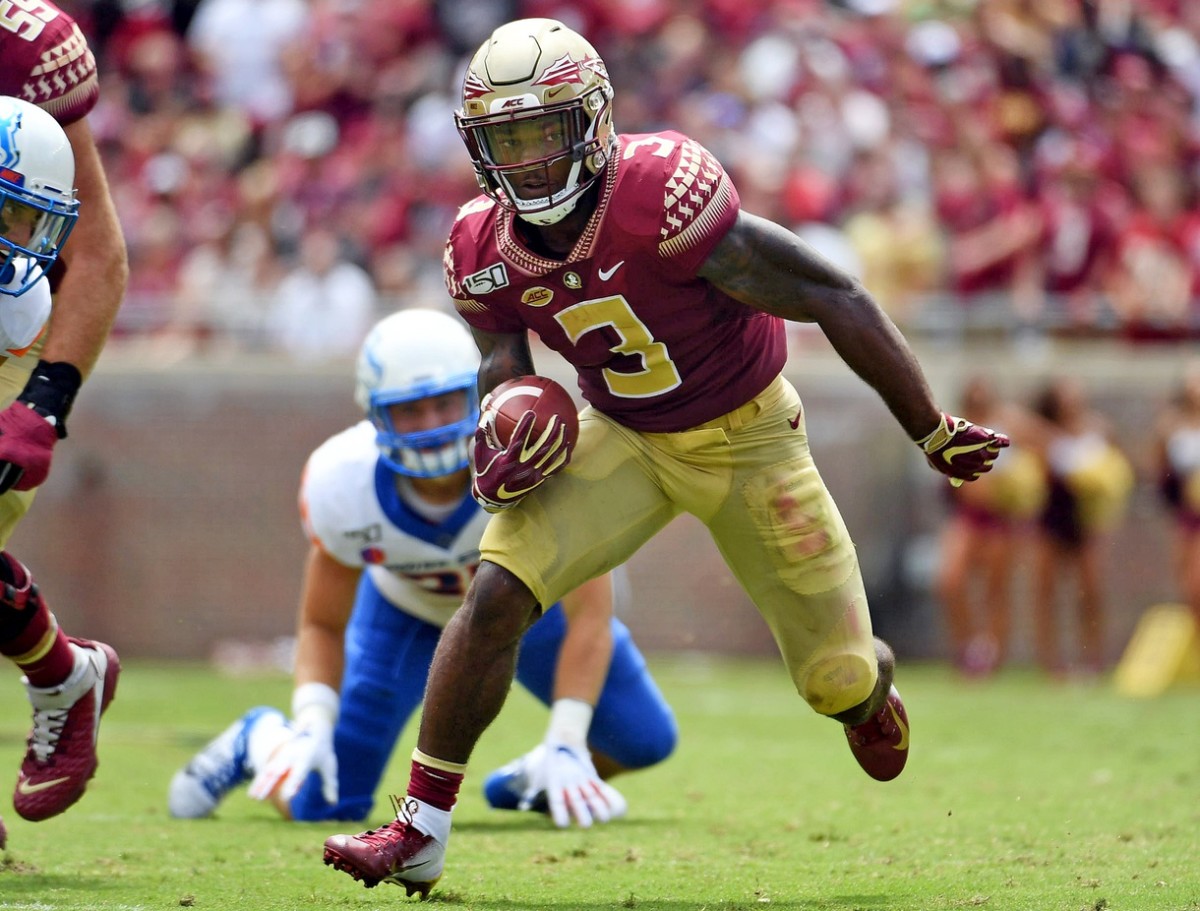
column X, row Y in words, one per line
column 10, row 157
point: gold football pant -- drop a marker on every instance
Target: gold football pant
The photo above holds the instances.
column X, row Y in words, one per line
column 750, row 478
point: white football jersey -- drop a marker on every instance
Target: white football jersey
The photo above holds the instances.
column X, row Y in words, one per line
column 351, row 508
column 22, row 318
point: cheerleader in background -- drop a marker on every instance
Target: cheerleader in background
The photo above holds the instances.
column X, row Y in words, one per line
column 984, row 532
column 1177, row 463
column 1089, row 483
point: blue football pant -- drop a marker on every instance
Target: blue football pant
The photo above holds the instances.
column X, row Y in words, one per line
column 388, row 654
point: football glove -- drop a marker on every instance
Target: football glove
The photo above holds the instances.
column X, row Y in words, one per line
column 574, row 790
column 960, row 449
column 31, row 425
column 503, row 477
column 309, row 748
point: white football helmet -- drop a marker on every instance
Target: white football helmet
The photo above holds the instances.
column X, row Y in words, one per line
column 414, row 354
column 535, row 94
column 38, row 207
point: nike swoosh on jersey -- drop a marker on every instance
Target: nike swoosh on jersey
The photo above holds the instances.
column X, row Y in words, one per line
column 24, row 787
column 903, row 744
column 606, row 274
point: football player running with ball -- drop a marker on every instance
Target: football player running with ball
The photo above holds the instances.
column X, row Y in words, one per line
column 629, row 255
column 394, row 540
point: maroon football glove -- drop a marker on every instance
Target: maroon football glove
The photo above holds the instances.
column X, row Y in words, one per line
column 26, row 446
column 504, row 476
column 962, row 450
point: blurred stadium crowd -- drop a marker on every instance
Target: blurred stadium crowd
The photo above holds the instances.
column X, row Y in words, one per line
column 286, row 170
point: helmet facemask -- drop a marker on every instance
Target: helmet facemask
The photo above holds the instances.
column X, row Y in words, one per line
column 509, row 145
column 431, row 453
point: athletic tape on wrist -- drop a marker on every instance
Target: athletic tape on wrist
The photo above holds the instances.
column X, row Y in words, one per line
column 315, row 700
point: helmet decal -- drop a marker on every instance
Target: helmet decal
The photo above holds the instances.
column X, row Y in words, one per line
column 10, row 155
column 562, row 71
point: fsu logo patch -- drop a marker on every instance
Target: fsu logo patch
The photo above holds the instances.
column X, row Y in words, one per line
column 537, row 297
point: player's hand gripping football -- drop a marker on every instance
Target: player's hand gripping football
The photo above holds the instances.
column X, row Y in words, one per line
column 505, row 474
column 962, row 450
column 573, row 789
column 309, row 749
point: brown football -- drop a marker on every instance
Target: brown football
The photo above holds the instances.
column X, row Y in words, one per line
column 541, row 395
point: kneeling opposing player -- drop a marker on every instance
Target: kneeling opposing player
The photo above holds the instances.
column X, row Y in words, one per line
column 395, row 537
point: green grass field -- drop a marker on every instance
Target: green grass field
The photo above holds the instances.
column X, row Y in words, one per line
column 1019, row 794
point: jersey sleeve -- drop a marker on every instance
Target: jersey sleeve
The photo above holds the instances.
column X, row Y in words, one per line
column 46, row 61
column 323, row 500
column 671, row 185
column 472, row 266
column 700, row 205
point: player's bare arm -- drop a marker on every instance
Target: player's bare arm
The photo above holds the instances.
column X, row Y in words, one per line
column 587, row 649
column 504, row 356
column 327, row 597
column 93, row 286
column 767, row 267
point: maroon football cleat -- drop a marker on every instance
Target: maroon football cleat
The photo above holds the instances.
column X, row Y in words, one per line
column 880, row 744
column 3, row 835
column 396, row 853
column 61, row 757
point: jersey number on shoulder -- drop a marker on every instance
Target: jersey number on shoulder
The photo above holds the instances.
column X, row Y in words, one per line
column 658, row 373
column 445, row 582
column 30, row 15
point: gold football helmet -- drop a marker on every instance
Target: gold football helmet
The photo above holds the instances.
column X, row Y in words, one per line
column 537, row 118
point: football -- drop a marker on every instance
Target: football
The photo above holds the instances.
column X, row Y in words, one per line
column 543, row 396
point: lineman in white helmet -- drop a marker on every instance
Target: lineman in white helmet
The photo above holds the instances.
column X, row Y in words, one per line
column 394, row 538
column 38, row 209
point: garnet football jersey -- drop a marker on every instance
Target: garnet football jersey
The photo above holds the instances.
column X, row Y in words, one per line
column 45, row 60
column 656, row 348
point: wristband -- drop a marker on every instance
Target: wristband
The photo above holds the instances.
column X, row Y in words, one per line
column 51, row 392
column 569, row 721
column 318, row 701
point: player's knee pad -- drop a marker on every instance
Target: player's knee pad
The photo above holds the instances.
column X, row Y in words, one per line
column 835, row 683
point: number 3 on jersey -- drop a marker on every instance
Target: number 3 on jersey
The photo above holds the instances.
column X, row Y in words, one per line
column 658, row 373
column 25, row 18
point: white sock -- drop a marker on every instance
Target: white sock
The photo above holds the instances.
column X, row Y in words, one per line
column 430, row 820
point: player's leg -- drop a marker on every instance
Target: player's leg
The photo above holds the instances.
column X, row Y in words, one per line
column 225, row 762
column 958, row 544
column 782, row 536
column 1188, row 567
column 388, row 653
column 531, row 556
column 632, row 727
column 70, row 683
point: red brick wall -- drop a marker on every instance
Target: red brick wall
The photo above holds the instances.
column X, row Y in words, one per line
column 169, row 522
